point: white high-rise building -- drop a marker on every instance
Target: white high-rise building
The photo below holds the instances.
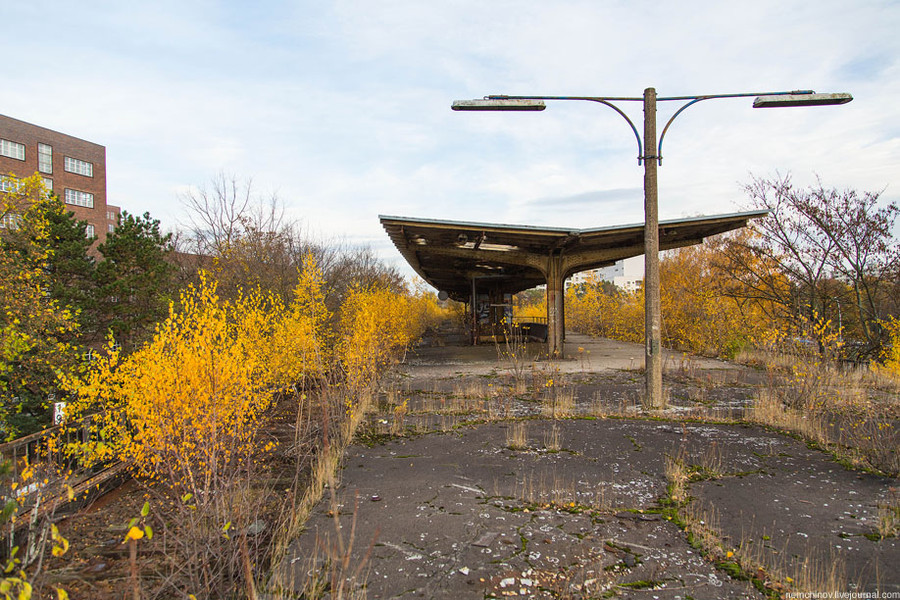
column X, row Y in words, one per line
column 626, row 274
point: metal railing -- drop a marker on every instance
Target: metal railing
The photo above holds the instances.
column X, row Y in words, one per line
column 541, row 320
column 44, row 472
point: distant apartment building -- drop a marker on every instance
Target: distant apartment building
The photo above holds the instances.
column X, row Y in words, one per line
column 626, row 274
column 73, row 168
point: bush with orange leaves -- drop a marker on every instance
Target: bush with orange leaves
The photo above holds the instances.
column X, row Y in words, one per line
column 701, row 310
column 593, row 310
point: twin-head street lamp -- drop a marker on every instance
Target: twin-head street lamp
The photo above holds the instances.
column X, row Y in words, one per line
column 650, row 154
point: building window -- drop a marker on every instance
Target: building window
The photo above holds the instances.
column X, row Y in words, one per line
column 10, row 221
column 110, row 228
column 78, row 198
column 48, row 183
column 9, row 184
column 112, row 215
column 45, row 158
column 73, row 165
column 89, row 230
column 12, row 149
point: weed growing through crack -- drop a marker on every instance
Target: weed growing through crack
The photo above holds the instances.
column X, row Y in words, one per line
column 520, row 387
column 677, row 476
column 766, row 569
column 888, row 516
column 711, row 463
column 551, row 439
column 540, row 493
column 626, row 405
column 332, row 571
column 400, row 411
column 513, row 352
column 517, row 436
column 559, row 398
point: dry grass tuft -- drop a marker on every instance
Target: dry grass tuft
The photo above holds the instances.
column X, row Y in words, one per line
column 678, row 476
column 860, row 437
column 400, row 411
column 540, row 493
column 517, row 436
column 559, row 400
column 888, row 518
column 551, row 439
column 331, row 572
column 627, row 405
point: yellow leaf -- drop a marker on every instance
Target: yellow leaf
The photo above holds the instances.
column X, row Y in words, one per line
column 25, row 593
column 135, row 533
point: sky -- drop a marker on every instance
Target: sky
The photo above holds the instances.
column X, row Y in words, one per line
column 342, row 108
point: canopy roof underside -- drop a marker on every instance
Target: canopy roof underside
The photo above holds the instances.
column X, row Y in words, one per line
column 512, row 258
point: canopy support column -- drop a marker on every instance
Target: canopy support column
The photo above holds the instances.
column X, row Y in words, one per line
column 473, row 315
column 556, row 325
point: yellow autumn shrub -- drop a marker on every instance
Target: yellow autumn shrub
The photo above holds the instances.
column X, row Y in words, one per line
column 184, row 405
column 524, row 310
column 618, row 316
column 300, row 344
column 187, row 404
column 891, row 355
column 700, row 312
column 374, row 323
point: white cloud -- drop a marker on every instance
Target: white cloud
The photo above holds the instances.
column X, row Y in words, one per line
column 343, row 107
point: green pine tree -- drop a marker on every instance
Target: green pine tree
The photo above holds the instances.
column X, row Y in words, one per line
column 134, row 279
column 70, row 268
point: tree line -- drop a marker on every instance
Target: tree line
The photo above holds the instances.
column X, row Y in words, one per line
column 232, row 408
column 62, row 301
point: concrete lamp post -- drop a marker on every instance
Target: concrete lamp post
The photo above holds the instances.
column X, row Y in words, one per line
column 650, row 155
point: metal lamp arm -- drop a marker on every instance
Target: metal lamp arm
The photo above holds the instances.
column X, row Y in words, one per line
column 608, row 101
column 695, row 99
column 659, row 155
column 637, row 136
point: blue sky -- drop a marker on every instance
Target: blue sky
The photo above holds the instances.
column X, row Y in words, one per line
column 342, row 108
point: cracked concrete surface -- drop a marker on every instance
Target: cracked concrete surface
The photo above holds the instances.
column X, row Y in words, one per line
column 460, row 515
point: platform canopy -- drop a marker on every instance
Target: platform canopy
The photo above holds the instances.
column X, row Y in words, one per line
column 450, row 255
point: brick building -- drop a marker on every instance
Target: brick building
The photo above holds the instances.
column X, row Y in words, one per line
column 73, row 168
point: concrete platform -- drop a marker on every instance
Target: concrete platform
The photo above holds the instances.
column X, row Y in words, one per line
column 450, row 511
column 582, row 354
